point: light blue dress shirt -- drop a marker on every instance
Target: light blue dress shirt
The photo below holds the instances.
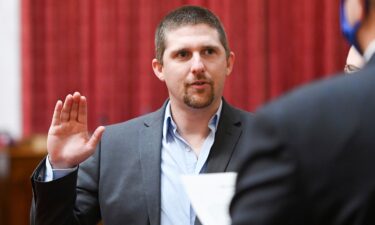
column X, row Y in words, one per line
column 178, row 158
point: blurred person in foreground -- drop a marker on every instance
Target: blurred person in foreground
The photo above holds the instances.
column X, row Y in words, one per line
column 130, row 174
column 312, row 156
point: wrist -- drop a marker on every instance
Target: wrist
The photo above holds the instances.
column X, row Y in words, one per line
column 59, row 165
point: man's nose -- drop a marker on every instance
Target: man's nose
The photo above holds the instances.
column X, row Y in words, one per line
column 197, row 65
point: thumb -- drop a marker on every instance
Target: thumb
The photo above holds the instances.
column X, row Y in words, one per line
column 95, row 138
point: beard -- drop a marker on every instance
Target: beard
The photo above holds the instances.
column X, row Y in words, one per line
column 199, row 99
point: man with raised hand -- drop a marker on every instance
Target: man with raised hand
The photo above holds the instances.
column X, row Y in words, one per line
column 133, row 175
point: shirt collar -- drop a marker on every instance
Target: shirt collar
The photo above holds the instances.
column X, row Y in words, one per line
column 370, row 50
column 170, row 126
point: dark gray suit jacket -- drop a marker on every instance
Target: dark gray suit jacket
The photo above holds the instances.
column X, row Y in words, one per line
column 120, row 184
column 312, row 157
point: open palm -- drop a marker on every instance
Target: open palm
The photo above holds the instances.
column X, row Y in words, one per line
column 69, row 142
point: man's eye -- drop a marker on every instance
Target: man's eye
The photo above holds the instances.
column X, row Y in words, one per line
column 209, row 51
column 182, row 54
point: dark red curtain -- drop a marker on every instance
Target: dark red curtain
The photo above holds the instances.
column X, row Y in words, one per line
column 104, row 48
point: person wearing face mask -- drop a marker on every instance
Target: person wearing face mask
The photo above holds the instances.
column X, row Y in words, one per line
column 312, row 156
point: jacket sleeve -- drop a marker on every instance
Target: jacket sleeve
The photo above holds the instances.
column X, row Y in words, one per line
column 68, row 200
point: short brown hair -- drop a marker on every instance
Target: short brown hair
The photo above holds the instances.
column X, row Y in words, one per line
column 187, row 15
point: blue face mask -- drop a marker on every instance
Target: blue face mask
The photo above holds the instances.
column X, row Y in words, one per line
column 350, row 32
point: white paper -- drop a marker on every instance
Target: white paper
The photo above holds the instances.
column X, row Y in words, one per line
column 210, row 195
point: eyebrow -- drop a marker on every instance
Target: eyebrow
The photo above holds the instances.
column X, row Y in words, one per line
column 204, row 47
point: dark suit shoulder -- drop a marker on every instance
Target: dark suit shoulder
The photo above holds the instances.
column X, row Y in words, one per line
column 343, row 93
column 130, row 125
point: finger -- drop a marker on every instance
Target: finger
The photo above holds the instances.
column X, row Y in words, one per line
column 95, row 138
column 56, row 113
column 65, row 112
column 74, row 110
column 82, row 110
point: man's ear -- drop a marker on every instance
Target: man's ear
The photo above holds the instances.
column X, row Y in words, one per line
column 230, row 62
column 364, row 9
column 158, row 69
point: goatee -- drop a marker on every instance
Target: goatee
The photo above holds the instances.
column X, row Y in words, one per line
column 199, row 102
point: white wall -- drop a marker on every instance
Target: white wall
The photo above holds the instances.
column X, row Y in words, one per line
column 10, row 68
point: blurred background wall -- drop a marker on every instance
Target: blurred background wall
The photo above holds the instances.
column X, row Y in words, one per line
column 104, row 48
column 10, row 68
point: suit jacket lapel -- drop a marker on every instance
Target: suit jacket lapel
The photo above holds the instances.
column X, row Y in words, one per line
column 227, row 135
column 150, row 138
column 228, row 132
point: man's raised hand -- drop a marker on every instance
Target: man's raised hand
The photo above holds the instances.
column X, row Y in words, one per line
column 68, row 141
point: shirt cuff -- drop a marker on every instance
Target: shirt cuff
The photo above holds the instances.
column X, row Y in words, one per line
column 53, row 174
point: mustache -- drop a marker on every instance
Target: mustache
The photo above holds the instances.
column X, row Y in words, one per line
column 199, row 79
